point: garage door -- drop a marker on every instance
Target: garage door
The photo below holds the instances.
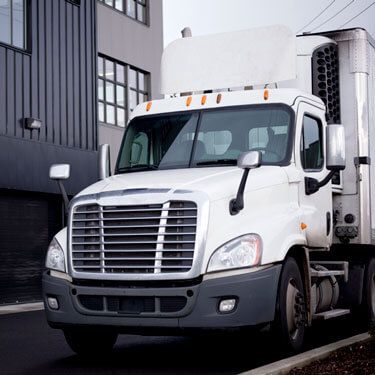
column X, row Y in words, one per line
column 28, row 221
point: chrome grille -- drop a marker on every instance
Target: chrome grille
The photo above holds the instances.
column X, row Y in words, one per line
column 134, row 239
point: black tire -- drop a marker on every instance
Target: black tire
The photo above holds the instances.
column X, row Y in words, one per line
column 290, row 319
column 90, row 341
column 369, row 290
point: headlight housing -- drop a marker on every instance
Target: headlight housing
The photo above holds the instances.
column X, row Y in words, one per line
column 244, row 251
column 55, row 259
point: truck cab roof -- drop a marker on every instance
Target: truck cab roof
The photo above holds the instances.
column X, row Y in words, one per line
column 223, row 100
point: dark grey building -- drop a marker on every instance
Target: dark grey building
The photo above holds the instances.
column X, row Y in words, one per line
column 48, row 70
column 130, row 45
column 59, row 99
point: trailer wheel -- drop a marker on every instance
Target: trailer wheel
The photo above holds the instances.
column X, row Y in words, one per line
column 90, row 341
column 369, row 290
column 290, row 318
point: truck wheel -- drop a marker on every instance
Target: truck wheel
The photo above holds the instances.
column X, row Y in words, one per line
column 369, row 290
column 89, row 342
column 290, row 316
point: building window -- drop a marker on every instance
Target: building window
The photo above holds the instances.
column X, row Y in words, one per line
column 137, row 9
column 120, row 89
column 12, row 22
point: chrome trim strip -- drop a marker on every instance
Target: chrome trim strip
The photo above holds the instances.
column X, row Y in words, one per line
column 361, row 87
column 160, row 239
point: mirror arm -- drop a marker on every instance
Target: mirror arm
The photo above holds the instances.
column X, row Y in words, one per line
column 65, row 196
column 237, row 204
column 312, row 185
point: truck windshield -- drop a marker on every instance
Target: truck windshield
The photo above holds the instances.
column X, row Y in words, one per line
column 206, row 138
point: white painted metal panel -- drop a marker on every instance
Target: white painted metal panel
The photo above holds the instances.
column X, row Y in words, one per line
column 371, row 87
column 236, row 59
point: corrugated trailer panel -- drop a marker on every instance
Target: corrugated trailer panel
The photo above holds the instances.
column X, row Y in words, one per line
column 348, row 201
column 356, row 57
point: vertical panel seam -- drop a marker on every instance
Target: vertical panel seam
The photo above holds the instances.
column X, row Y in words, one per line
column 45, row 73
column 53, row 76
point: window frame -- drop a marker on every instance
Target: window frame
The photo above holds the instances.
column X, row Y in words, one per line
column 125, row 85
column 143, row 3
column 26, row 49
column 290, row 146
column 321, row 137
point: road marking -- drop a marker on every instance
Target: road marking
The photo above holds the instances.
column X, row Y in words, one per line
column 21, row 307
column 301, row 360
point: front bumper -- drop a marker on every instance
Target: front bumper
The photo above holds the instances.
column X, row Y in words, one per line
column 139, row 308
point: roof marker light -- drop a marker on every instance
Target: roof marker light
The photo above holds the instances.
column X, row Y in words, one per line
column 266, row 94
column 303, row 226
column 204, row 99
column 218, row 98
column 149, row 105
column 188, row 101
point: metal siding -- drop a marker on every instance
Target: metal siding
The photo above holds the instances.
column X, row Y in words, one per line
column 10, row 93
column 54, row 81
column 3, row 90
column 91, row 53
column 34, row 70
column 56, row 100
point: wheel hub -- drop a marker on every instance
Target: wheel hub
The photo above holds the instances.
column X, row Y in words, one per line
column 295, row 309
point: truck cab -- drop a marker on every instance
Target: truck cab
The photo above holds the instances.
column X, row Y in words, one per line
column 218, row 205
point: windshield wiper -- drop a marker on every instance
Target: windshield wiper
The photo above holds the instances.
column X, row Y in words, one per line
column 139, row 167
column 219, row 162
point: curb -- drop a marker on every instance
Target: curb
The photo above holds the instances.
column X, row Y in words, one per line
column 21, row 307
column 285, row 365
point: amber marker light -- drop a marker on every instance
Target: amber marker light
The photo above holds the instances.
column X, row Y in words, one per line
column 266, row 95
column 218, row 98
column 148, row 106
column 204, row 99
column 303, row 226
column 188, row 101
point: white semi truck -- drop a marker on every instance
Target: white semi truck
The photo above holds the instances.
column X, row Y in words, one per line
column 229, row 208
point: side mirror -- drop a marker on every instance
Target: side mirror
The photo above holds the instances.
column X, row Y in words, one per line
column 335, row 146
column 59, row 172
column 246, row 161
column 250, row 160
column 335, row 150
column 104, row 161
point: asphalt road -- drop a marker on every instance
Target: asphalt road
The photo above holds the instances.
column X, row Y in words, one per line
column 29, row 346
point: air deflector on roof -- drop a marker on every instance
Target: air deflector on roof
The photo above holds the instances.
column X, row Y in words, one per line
column 257, row 56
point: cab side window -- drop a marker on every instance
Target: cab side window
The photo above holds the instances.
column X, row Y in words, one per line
column 312, row 144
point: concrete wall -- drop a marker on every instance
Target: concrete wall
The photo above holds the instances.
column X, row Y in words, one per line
column 133, row 43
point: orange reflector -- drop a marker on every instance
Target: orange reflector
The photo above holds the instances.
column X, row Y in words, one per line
column 148, row 106
column 188, row 101
column 266, row 94
column 303, row 226
column 204, row 99
column 218, row 98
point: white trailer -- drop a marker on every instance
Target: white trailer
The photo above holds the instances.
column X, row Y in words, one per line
column 229, row 207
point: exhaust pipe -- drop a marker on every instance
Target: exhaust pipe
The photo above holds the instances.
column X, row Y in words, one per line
column 186, row 33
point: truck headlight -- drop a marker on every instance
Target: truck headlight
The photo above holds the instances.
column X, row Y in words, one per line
column 55, row 259
column 244, row 251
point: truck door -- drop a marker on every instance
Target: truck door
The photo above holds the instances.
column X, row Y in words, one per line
column 310, row 159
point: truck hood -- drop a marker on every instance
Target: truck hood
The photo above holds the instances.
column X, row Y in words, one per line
column 217, row 183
